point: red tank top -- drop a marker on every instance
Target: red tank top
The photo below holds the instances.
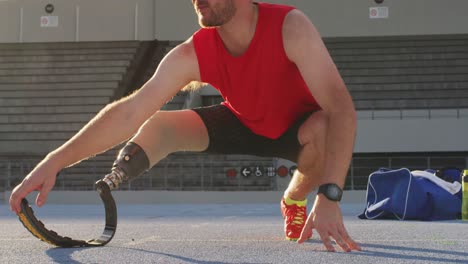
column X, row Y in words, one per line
column 262, row 87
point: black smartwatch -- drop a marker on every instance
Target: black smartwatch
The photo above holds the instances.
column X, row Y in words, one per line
column 332, row 191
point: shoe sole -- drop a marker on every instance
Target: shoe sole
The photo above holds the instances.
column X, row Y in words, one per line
column 294, row 239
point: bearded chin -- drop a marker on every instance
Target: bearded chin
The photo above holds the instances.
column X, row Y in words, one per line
column 209, row 23
column 217, row 16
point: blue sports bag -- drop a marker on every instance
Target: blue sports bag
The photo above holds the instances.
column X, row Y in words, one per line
column 411, row 195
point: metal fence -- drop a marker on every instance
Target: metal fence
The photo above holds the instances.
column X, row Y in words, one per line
column 205, row 173
column 209, row 173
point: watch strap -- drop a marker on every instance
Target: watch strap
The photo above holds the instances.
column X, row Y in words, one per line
column 325, row 190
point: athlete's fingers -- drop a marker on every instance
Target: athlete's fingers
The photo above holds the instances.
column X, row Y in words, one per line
column 44, row 190
column 15, row 197
column 18, row 193
column 326, row 241
column 307, row 229
column 340, row 241
column 351, row 243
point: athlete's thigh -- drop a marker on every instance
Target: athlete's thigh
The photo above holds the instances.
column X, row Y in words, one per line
column 182, row 130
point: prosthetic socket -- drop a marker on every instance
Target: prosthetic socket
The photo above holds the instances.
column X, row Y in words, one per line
column 130, row 163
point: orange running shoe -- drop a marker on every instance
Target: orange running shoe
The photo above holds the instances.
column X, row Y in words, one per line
column 295, row 216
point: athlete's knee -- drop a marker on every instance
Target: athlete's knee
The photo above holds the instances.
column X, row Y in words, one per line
column 314, row 129
column 312, row 136
column 157, row 134
column 157, row 125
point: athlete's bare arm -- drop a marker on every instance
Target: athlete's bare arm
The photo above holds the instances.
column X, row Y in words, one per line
column 114, row 124
column 304, row 46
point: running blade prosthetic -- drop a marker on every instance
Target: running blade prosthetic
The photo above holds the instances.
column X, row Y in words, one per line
column 38, row 229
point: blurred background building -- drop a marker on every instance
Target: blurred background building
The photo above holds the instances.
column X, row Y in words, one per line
column 405, row 64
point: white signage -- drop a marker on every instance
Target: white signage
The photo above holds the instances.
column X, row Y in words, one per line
column 49, row 21
column 378, row 12
column 258, row 171
column 246, row 172
column 271, row 171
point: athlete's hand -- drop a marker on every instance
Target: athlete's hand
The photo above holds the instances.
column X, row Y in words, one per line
column 42, row 179
column 326, row 218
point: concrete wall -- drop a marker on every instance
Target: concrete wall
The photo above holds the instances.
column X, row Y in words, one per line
column 443, row 132
column 78, row 20
column 86, row 20
column 410, row 17
column 337, row 18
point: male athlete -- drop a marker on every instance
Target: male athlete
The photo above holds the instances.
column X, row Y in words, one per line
column 283, row 97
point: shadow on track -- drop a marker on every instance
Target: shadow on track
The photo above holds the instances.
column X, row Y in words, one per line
column 64, row 255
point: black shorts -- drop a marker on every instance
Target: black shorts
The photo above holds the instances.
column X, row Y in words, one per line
column 227, row 135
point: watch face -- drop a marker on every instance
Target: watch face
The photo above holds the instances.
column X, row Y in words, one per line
column 333, row 192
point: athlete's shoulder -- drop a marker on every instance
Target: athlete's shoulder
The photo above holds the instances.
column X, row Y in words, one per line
column 296, row 18
column 183, row 58
column 297, row 25
column 185, row 49
column 298, row 32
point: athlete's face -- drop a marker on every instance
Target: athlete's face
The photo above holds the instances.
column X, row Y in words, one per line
column 214, row 13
